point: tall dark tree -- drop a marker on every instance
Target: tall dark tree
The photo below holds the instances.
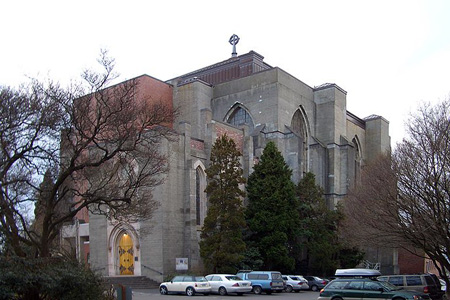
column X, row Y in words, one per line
column 222, row 245
column 271, row 213
column 318, row 240
column 404, row 197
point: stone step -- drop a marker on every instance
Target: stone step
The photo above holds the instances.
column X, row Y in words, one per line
column 135, row 282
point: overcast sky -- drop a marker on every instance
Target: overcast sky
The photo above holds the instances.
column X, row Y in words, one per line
column 389, row 55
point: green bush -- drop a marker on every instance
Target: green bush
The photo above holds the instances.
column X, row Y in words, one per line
column 48, row 279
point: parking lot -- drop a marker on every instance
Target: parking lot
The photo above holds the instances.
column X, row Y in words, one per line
column 153, row 294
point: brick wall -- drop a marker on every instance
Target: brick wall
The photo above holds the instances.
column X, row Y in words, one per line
column 410, row 263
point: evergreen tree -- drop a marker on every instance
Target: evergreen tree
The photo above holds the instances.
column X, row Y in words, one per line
column 271, row 213
column 222, row 245
column 319, row 232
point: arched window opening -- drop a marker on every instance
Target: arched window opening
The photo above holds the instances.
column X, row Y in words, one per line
column 299, row 127
column 240, row 117
column 197, row 197
column 358, row 158
column 200, row 196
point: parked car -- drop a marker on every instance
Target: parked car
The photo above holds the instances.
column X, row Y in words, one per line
column 315, row 283
column 186, row 284
column 366, row 289
column 305, row 285
column 292, row 283
column 425, row 283
column 263, row 281
column 224, row 284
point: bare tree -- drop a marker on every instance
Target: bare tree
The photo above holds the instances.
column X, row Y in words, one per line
column 97, row 144
column 404, row 198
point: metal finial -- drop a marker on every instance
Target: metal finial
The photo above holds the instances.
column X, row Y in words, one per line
column 234, row 39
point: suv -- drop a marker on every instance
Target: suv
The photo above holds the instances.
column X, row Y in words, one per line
column 264, row 281
column 425, row 283
column 366, row 289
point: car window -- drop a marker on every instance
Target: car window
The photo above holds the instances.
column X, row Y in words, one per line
column 355, row 285
column 200, row 278
column 413, row 280
column 216, row 278
column 429, row 280
column 371, row 285
column 388, row 287
column 338, row 285
column 233, row 277
column 396, row 280
column 252, row 276
column 295, row 278
column 187, row 279
column 276, row 276
column 263, row 276
column 177, row 279
column 209, row 278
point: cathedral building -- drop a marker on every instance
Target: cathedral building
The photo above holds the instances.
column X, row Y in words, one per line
column 254, row 103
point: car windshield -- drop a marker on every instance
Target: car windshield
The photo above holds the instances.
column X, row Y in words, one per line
column 233, row 277
column 389, row 287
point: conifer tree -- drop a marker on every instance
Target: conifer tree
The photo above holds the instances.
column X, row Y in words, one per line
column 319, row 232
column 222, row 245
column 271, row 213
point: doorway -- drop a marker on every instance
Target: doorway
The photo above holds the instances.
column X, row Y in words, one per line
column 126, row 255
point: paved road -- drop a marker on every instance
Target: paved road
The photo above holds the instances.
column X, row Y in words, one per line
column 153, row 294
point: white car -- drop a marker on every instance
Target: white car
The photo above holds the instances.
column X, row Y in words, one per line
column 305, row 285
column 292, row 283
column 224, row 284
column 186, row 284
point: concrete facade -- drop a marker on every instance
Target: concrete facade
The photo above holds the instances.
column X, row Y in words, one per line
column 253, row 103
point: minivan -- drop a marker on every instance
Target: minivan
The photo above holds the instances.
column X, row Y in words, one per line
column 425, row 283
column 263, row 281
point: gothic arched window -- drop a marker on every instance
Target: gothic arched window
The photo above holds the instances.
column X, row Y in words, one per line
column 240, row 117
column 200, row 197
column 299, row 127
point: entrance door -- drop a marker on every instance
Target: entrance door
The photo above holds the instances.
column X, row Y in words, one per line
column 126, row 255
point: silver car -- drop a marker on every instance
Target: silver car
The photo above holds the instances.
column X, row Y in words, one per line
column 224, row 284
column 186, row 284
column 292, row 283
column 305, row 285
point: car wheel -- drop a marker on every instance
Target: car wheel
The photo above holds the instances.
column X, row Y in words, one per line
column 314, row 288
column 289, row 289
column 163, row 290
column 222, row 291
column 190, row 291
column 257, row 290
